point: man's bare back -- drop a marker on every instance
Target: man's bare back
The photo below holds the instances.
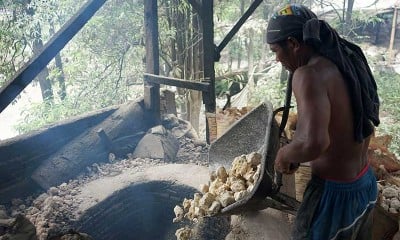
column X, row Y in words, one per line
column 330, row 134
column 344, row 158
column 324, row 132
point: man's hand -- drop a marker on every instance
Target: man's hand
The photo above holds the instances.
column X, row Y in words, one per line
column 283, row 166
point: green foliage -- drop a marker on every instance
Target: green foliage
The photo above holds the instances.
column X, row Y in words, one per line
column 40, row 114
column 101, row 64
column 225, row 17
column 231, row 85
column 19, row 25
column 227, row 12
column 360, row 20
column 229, row 82
column 269, row 86
column 270, row 89
column 363, row 18
column 14, row 38
column 389, row 89
column 104, row 61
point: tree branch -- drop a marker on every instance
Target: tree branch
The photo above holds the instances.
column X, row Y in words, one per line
column 121, row 65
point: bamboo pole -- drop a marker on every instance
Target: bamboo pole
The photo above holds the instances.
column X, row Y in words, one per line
column 393, row 34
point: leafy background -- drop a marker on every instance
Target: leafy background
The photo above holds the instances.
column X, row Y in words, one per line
column 103, row 64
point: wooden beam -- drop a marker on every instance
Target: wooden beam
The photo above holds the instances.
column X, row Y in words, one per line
column 152, row 90
column 207, row 9
column 31, row 69
column 208, row 52
column 194, row 85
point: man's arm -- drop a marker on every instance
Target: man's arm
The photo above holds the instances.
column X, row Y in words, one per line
column 311, row 138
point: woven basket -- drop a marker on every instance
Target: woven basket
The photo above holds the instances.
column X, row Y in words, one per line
column 223, row 124
column 225, row 118
column 385, row 225
column 302, row 176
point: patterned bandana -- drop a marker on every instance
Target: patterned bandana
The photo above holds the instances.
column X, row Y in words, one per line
column 289, row 21
column 293, row 9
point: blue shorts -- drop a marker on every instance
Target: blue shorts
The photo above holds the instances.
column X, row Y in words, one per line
column 336, row 210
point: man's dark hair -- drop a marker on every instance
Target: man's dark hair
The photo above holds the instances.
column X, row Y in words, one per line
column 298, row 37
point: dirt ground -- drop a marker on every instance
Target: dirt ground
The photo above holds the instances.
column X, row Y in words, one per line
column 54, row 210
column 264, row 225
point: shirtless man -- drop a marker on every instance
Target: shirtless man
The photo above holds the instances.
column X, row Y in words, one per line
column 342, row 192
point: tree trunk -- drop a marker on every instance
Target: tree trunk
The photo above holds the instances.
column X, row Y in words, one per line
column 239, row 52
column 392, row 35
column 284, row 75
column 195, row 97
column 62, row 92
column 264, row 52
column 267, row 11
column 89, row 147
column 179, row 24
column 349, row 12
column 250, row 57
column 17, row 166
column 185, row 50
column 37, row 47
column 43, row 76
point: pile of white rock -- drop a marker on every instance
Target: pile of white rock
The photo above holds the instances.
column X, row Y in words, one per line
column 390, row 197
column 224, row 188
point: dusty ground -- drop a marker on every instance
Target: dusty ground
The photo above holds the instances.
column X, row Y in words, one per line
column 54, row 210
column 60, row 206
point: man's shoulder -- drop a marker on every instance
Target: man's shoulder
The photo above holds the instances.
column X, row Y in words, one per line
column 305, row 77
column 320, row 72
column 319, row 67
column 321, row 62
column 306, row 72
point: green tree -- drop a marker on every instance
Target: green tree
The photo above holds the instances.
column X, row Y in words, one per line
column 14, row 38
column 100, row 66
column 103, row 64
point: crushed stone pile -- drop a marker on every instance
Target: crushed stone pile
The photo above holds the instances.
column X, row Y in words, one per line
column 53, row 212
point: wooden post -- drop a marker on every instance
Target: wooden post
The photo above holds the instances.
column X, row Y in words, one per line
column 209, row 71
column 152, row 90
column 393, row 34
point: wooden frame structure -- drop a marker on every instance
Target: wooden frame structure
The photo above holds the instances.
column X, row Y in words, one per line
column 211, row 54
column 152, row 80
